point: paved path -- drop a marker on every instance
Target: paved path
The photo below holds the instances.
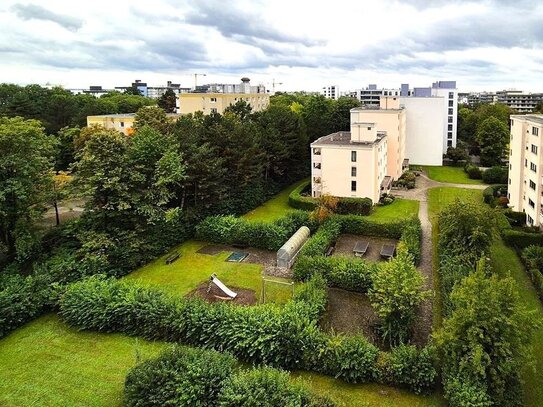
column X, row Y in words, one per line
column 420, row 193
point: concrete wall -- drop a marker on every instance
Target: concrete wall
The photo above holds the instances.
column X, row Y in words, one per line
column 424, row 129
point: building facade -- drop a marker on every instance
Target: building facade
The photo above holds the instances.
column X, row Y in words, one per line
column 363, row 162
column 331, row 92
column 522, row 102
column 123, row 122
column 525, row 179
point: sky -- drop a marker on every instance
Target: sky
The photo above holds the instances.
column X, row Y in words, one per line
column 299, row 44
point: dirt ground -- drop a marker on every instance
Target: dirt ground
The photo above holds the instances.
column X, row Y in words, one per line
column 244, row 297
column 345, row 245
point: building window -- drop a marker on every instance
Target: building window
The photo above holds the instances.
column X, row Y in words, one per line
column 213, row 100
column 449, row 134
column 450, row 119
column 353, row 186
column 530, row 219
column 213, row 110
column 450, row 111
column 449, row 143
column 535, row 131
column 121, row 124
column 317, row 151
column 450, row 127
column 451, row 103
column 353, row 156
column 353, row 171
column 533, row 167
column 509, row 181
column 525, row 163
column 451, row 95
column 531, row 203
column 532, row 184
column 534, row 149
column 317, row 166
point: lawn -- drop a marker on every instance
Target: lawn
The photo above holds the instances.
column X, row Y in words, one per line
column 399, row 209
column 367, row 395
column 275, row 208
column 47, row 363
column 192, row 268
column 453, row 175
column 505, row 261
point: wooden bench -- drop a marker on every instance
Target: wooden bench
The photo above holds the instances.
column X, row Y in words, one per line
column 172, row 257
column 388, row 251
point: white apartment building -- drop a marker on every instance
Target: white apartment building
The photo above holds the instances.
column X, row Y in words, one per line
column 448, row 91
column 363, row 162
column 525, row 167
column 331, row 92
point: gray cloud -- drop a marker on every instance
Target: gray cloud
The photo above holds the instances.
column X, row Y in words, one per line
column 35, row 12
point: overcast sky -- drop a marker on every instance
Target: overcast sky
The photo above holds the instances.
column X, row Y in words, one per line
column 491, row 44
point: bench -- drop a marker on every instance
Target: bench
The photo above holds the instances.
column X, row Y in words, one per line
column 360, row 248
column 388, row 251
column 172, row 257
column 330, row 251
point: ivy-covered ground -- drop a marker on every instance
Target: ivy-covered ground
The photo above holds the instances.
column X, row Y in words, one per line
column 453, row 175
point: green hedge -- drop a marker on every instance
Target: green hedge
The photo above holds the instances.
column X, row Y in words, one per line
column 326, row 236
column 355, row 206
column 520, row 240
column 532, row 257
column 179, row 376
column 264, row 235
column 359, row 225
column 286, row 337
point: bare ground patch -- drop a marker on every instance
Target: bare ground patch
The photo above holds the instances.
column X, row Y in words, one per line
column 346, row 242
column 244, row 297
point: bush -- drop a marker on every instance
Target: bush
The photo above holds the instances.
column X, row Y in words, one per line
column 359, row 225
column 495, row 175
column 325, row 237
column 358, row 206
column 473, row 171
column 411, row 239
column 407, row 180
column 520, row 240
column 488, row 195
column 409, row 367
column 515, row 218
column 314, row 296
column 266, row 387
column 180, row 376
column 341, row 272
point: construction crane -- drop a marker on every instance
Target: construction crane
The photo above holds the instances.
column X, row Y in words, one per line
column 273, row 83
column 196, row 75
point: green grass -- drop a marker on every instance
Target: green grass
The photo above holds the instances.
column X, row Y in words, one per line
column 453, row 175
column 275, row 208
column 506, row 262
column 367, row 395
column 47, row 363
column 399, row 209
column 191, row 269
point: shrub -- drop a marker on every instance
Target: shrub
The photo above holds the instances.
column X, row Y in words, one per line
column 297, row 201
column 325, row 237
column 473, row 171
column 521, row 240
column 314, row 296
column 266, row 387
column 351, row 358
column 359, row 225
column 180, row 376
column 515, row 218
column 495, row 175
column 488, row 195
column 410, row 367
column 357, row 206
column 411, row 239
column 341, row 272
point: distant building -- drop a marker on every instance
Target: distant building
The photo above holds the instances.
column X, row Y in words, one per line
column 365, row 161
column 331, row 92
column 215, row 98
column 525, row 187
column 520, row 101
column 123, row 122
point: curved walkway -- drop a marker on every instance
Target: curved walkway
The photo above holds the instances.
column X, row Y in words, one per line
column 420, row 193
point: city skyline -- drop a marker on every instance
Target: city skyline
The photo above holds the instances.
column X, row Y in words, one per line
column 487, row 45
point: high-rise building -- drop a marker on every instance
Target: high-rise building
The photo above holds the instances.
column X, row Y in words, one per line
column 331, row 92
column 525, row 180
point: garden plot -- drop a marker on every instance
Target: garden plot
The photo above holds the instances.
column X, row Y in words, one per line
column 346, row 243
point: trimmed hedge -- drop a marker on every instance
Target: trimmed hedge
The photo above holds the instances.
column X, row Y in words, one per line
column 286, row 337
column 532, row 257
column 520, row 240
column 358, row 225
column 355, row 206
column 515, row 218
column 495, row 175
column 179, row 376
column 263, row 235
column 473, row 171
column 326, row 236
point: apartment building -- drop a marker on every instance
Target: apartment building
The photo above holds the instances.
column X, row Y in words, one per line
column 363, row 162
column 123, row 122
column 448, row 91
column 215, row 98
column 331, row 92
column 525, row 167
column 520, row 101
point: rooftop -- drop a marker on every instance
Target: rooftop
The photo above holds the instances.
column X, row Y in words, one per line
column 538, row 118
column 121, row 115
column 343, row 138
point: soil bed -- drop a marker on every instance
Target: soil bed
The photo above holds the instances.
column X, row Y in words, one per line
column 346, row 242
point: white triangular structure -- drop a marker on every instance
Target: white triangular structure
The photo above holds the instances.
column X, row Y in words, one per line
column 223, row 288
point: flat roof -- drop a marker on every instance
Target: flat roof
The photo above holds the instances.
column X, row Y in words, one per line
column 538, row 118
column 121, row 115
column 374, row 109
column 343, row 138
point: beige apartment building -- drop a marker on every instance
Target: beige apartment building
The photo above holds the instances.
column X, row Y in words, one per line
column 363, row 162
column 525, row 167
column 217, row 102
column 123, row 122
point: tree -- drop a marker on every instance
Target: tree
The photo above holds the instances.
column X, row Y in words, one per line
column 167, row 101
column 396, row 293
column 326, row 206
column 66, row 148
column 61, row 181
column 486, row 341
column 341, row 113
column 493, row 138
column 154, row 117
column 26, row 157
column 241, row 108
column 456, row 154
column 317, row 115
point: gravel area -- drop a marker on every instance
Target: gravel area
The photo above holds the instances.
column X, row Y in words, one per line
column 346, row 242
